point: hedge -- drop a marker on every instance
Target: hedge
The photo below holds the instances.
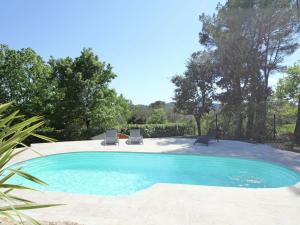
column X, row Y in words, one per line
column 147, row 130
column 159, row 130
column 66, row 135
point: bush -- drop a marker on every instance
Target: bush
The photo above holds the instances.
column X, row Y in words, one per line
column 147, row 130
column 157, row 116
column 71, row 134
column 286, row 129
column 159, row 130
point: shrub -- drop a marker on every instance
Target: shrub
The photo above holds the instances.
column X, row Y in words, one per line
column 286, row 129
column 157, row 116
column 147, row 130
column 159, row 130
column 12, row 136
column 71, row 134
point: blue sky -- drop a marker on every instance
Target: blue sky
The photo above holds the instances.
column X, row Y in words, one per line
column 146, row 42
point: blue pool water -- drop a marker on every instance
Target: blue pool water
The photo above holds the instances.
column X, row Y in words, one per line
column 116, row 173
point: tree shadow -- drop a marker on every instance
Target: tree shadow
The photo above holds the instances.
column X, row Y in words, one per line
column 295, row 189
column 108, row 144
column 133, row 143
column 176, row 141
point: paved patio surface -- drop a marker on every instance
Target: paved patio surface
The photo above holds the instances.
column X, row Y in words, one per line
column 172, row 204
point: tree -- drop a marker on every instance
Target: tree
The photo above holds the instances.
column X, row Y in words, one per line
column 194, row 89
column 279, row 28
column 24, row 79
column 157, row 116
column 158, row 113
column 139, row 114
column 289, row 89
column 157, row 105
column 112, row 110
column 122, row 109
column 222, row 33
column 67, row 101
column 95, row 77
column 251, row 39
column 83, row 95
column 72, row 93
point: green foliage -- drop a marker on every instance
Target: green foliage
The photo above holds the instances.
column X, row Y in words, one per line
column 194, row 89
column 157, row 116
column 25, row 80
column 12, row 135
column 72, row 94
column 250, row 40
column 160, row 130
column 112, row 110
column 285, row 129
column 288, row 88
column 284, row 109
column 70, row 134
column 139, row 114
column 157, row 105
column 83, row 95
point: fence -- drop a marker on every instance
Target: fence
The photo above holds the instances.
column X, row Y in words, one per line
column 280, row 122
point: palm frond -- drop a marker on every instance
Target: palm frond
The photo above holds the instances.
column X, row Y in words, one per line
column 13, row 132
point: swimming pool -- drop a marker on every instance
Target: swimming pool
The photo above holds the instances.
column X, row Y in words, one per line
column 124, row 173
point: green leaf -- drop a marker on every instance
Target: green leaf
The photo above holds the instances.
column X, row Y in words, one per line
column 28, row 176
column 12, row 135
column 16, row 186
column 28, row 206
column 43, row 137
column 16, row 198
column 5, row 106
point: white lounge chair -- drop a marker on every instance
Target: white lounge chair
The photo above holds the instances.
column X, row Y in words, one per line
column 135, row 137
column 111, row 137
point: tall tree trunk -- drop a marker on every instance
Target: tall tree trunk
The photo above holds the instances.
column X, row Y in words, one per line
column 87, row 123
column 198, row 122
column 250, row 121
column 260, row 127
column 262, row 116
column 263, row 120
column 250, row 125
column 238, row 99
column 297, row 128
column 238, row 124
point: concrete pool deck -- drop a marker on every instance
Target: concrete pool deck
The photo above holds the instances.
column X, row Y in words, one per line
column 172, row 204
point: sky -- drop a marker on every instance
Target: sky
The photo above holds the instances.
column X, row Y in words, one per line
column 146, row 42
